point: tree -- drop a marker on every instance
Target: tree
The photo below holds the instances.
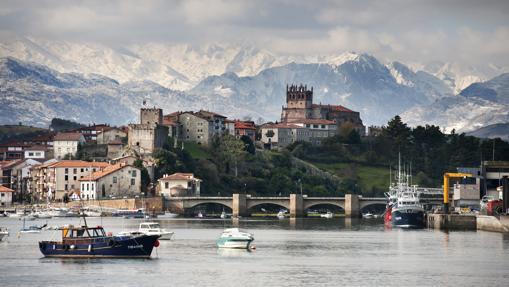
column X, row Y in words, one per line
column 248, row 144
column 145, row 177
column 231, row 150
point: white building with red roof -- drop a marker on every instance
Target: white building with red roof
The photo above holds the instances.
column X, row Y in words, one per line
column 5, row 196
column 179, row 184
column 66, row 144
column 118, row 180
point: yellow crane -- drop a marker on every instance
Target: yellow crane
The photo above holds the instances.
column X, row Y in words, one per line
column 447, row 176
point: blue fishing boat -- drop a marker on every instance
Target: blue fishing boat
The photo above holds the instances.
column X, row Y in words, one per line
column 93, row 242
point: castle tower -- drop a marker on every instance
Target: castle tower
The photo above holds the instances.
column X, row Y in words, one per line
column 299, row 103
column 151, row 116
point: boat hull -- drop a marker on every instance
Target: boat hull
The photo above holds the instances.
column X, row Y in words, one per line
column 234, row 243
column 105, row 247
column 407, row 218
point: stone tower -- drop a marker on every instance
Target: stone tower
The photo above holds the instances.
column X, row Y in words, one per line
column 299, row 103
column 151, row 116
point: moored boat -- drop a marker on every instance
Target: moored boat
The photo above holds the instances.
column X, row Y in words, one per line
column 168, row 214
column 93, row 242
column 235, row 238
column 153, row 228
column 327, row 215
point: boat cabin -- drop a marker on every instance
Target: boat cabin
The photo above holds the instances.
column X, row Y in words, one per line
column 82, row 232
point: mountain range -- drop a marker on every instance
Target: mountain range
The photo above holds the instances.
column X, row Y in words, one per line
column 86, row 82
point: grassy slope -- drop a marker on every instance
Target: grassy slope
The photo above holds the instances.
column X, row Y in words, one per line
column 197, row 151
column 369, row 176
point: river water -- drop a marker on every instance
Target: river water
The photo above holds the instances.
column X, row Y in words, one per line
column 306, row 252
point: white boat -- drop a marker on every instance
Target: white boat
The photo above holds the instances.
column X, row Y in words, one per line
column 3, row 233
column 368, row 215
column 200, row 215
column 327, row 215
column 281, row 215
column 149, row 228
column 168, row 214
column 223, row 215
column 18, row 214
column 92, row 213
column 235, row 238
column 42, row 214
column 153, row 228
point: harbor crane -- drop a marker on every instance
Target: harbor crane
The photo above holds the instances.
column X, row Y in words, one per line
column 447, row 176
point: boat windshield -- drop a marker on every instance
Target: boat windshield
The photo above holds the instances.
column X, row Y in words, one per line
column 82, row 232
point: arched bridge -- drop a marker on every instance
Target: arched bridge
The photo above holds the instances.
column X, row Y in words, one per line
column 295, row 203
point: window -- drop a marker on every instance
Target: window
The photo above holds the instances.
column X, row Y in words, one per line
column 133, row 173
column 81, row 170
column 75, row 171
column 166, row 185
column 315, row 126
column 88, row 186
column 72, row 186
column 92, row 186
column 66, row 171
column 133, row 181
column 114, row 179
column 323, row 126
column 30, row 154
column 66, row 177
column 65, row 187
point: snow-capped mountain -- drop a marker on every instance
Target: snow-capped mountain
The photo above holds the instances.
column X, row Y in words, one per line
column 479, row 105
column 36, row 93
column 492, row 131
column 360, row 82
column 182, row 66
column 458, row 76
column 178, row 67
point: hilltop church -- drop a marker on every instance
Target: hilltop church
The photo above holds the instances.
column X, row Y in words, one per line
column 300, row 107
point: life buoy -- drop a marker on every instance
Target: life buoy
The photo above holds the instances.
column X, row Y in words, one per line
column 156, row 243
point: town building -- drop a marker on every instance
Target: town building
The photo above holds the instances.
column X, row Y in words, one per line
column 150, row 134
column 90, row 132
column 37, row 152
column 201, row 127
column 118, row 180
column 179, row 184
column 5, row 196
column 281, row 135
column 20, row 180
column 12, row 150
column 299, row 106
column 6, row 172
column 66, row 144
column 62, row 177
column 245, row 128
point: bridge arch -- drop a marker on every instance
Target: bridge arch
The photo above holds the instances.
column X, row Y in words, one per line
column 312, row 203
column 224, row 203
column 252, row 205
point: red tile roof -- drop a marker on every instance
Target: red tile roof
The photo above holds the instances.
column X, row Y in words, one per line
column 246, row 125
column 5, row 189
column 79, row 163
column 336, row 108
column 282, row 126
column 107, row 170
column 314, row 122
column 179, row 176
column 67, row 137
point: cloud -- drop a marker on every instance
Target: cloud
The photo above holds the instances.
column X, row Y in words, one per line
column 407, row 30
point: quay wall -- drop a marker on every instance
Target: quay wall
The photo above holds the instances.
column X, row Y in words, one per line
column 491, row 223
column 452, row 221
column 151, row 204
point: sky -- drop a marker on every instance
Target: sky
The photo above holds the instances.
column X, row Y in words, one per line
column 466, row 31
